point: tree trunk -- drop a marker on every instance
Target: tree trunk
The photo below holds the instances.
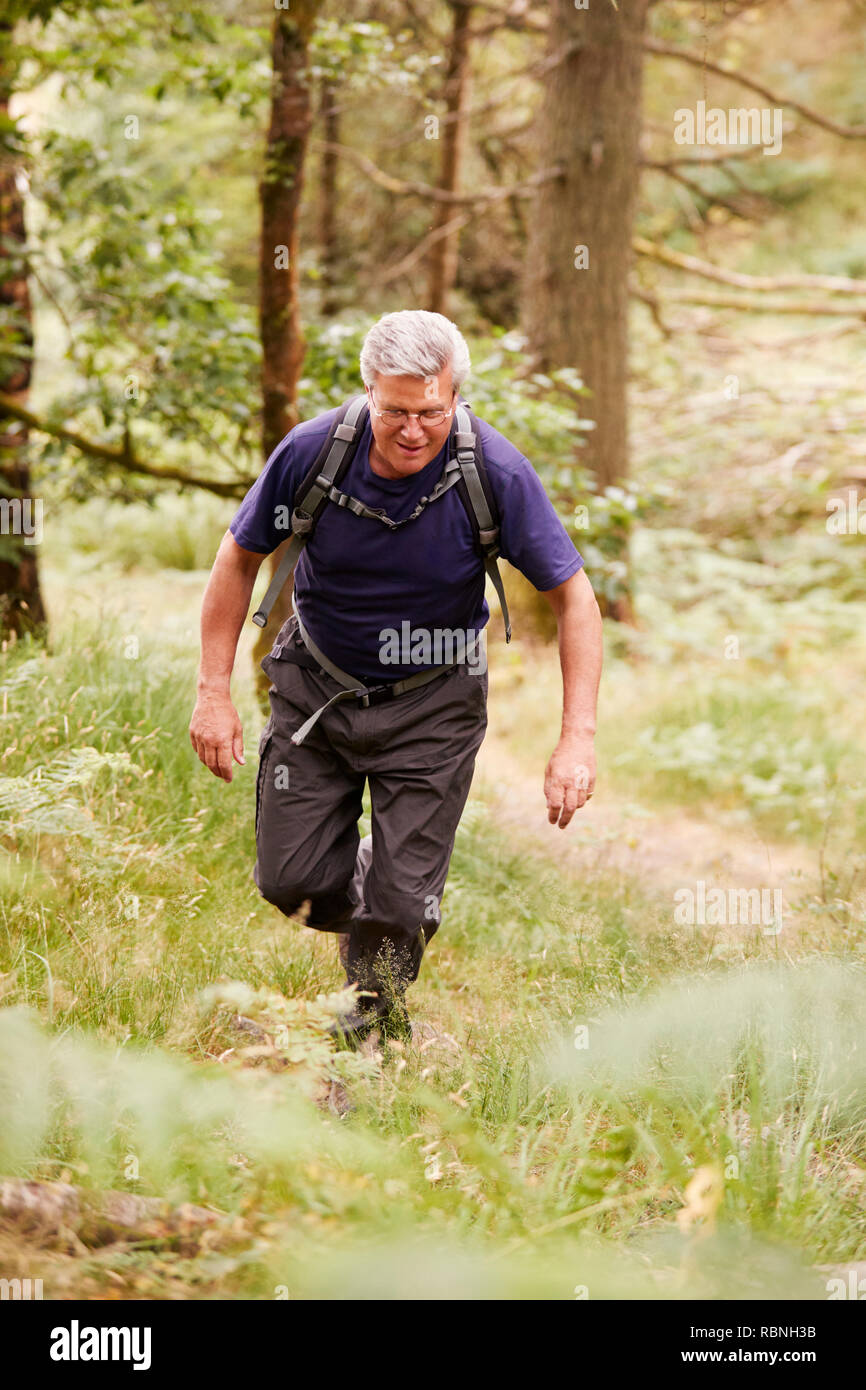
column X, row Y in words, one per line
column 443, row 259
column 280, row 195
column 590, row 125
column 329, row 250
column 21, row 607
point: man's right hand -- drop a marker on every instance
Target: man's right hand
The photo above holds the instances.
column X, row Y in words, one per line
column 216, row 734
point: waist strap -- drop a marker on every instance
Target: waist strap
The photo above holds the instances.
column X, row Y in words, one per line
column 356, row 689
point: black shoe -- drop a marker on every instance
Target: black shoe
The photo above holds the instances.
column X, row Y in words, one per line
column 391, row 1021
column 352, row 1028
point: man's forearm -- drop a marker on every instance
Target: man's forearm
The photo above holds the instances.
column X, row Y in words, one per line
column 580, row 655
column 224, row 608
column 569, row 779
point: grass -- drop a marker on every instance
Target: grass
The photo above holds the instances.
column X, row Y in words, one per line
column 172, row 532
column 506, row 1162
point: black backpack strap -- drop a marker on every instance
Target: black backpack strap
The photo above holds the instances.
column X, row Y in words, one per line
column 450, row 477
column 331, row 463
column 477, row 496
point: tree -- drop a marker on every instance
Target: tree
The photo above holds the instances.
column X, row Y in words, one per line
column 21, row 606
column 575, row 297
column 280, row 192
column 329, row 254
column 100, row 280
column 445, row 235
column 280, row 197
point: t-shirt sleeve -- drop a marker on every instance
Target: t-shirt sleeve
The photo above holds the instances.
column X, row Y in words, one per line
column 263, row 519
column 532, row 536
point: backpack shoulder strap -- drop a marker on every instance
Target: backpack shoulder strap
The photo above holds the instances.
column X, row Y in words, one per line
column 477, row 496
column 330, row 464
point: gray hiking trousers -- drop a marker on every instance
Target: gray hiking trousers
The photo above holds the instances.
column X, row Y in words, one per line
column 417, row 752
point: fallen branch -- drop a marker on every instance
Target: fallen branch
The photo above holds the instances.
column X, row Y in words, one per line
column 762, row 306
column 97, row 1218
column 835, row 284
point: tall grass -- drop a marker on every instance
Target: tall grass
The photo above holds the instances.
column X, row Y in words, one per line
column 173, row 531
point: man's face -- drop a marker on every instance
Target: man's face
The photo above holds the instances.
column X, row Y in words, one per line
column 405, row 447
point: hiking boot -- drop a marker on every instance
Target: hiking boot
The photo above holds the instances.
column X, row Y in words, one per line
column 392, row 1021
column 352, row 1028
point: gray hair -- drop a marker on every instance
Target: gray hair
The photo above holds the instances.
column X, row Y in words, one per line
column 414, row 342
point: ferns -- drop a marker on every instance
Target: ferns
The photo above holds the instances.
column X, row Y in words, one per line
column 52, row 798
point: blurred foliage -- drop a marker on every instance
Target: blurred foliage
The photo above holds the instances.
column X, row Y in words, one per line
column 364, row 57
column 160, row 346
column 169, row 531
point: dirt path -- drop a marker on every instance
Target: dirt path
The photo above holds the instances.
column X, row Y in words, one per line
column 664, row 849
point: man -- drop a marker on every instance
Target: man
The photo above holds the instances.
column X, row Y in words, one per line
column 357, row 584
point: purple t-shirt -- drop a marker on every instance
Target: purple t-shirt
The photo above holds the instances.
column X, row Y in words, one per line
column 356, row 577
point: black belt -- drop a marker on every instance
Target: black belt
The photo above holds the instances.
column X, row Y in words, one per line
column 355, row 689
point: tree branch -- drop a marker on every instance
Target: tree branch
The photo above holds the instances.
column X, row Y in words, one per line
column 413, row 188
column 711, row 199
column 835, row 284
column 654, row 307
column 516, row 17
column 762, row 306
column 748, row 152
column 122, row 456
column 408, row 262
column 666, row 50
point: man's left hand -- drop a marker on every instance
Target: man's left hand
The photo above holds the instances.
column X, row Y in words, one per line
column 569, row 780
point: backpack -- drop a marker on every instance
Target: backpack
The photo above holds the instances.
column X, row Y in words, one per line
column 464, row 469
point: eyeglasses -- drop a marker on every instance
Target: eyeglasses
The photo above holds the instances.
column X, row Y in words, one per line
column 424, row 417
